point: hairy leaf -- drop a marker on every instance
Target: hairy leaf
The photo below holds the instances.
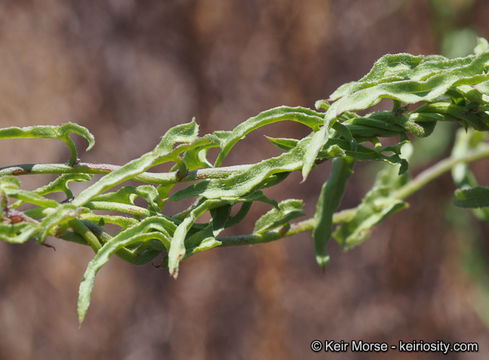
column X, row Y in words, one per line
column 285, row 211
column 61, row 132
column 32, row 197
column 128, row 194
column 181, row 133
column 379, row 203
column 402, row 77
column 247, row 181
column 302, row 115
column 329, row 200
column 9, row 182
column 58, row 217
column 177, row 247
column 150, row 228
column 61, row 184
column 18, row 233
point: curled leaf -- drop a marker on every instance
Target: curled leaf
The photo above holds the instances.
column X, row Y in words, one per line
column 248, row 180
column 61, row 132
column 329, row 200
column 299, row 114
column 181, row 133
column 379, row 203
column 151, row 228
column 286, row 211
column 18, row 233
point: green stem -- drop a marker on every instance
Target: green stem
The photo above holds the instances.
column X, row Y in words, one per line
column 439, row 169
column 410, row 188
column 213, row 173
column 80, row 228
column 147, row 177
column 297, row 228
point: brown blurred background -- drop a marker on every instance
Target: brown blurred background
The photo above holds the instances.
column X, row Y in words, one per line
column 128, row 70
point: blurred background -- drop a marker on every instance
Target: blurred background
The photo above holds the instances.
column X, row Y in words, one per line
column 129, row 70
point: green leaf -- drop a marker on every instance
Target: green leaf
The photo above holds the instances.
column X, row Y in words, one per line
column 18, row 233
column 283, row 143
column 379, row 203
column 61, row 132
column 61, row 184
column 206, row 244
column 467, row 114
column 181, row 133
column 177, row 247
column 392, row 68
column 121, row 221
column 318, row 140
column 287, row 210
column 9, row 182
column 32, row 197
column 245, row 182
column 302, row 115
column 128, row 194
column 468, row 141
column 475, row 197
column 482, row 46
column 465, row 141
column 329, row 200
column 374, row 208
column 220, row 217
column 423, row 82
column 202, row 240
column 404, row 78
column 377, row 124
column 150, row 228
column 58, row 217
column 196, row 157
column 240, row 215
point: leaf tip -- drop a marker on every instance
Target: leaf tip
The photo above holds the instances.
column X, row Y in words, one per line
column 306, row 169
column 174, row 272
column 91, row 143
column 82, row 312
column 322, row 260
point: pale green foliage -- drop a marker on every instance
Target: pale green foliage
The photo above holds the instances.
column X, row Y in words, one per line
column 444, row 90
column 379, row 203
column 61, row 132
column 282, row 214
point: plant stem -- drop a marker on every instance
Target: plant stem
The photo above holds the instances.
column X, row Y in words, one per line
column 215, row 173
column 171, row 177
column 297, row 228
column 439, row 169
column 410, row 188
